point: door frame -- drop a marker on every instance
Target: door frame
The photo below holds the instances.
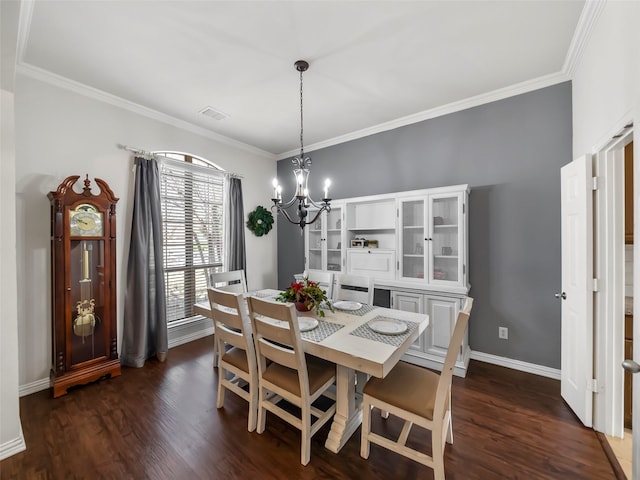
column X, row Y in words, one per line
column 609, row 251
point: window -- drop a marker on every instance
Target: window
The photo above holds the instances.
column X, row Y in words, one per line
column 192, row 196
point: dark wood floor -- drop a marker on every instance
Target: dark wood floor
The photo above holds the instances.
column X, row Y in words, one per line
column 160, row 422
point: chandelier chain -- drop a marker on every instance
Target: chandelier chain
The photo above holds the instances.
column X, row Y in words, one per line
column 301, row 120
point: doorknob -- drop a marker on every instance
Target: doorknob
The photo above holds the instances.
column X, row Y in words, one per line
column 562, row 295
column 631, row 366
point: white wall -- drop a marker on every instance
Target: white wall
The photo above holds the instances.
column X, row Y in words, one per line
column 11, row 439
column 61, row 133
column 606, row 81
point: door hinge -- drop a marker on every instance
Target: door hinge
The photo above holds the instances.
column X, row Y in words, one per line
column 398, row 212
column 595, row 285
column 464, row 269
column 596, row 184
column 592, row 385
column 463, row 207
column 398, row 265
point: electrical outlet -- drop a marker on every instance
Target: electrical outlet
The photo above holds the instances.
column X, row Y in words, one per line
column 503, row 332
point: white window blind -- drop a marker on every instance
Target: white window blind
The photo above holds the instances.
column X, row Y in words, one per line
column 192, row 212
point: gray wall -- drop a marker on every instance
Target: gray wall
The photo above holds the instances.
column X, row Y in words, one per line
column 510, row 153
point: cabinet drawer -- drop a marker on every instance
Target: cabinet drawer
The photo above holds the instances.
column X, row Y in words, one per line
column 371, row 262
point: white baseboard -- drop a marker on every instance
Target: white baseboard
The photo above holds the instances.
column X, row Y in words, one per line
column 517, row 365
column 12, row 447
column 33, row 387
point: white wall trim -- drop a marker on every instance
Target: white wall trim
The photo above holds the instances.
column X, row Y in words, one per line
column 482, row 99
column 12, row 447
column 84, row 90
column 204, row 330
column 33, row 387
column 517, row 365
column 586, row 22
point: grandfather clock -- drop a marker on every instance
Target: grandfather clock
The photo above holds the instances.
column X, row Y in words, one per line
column 83, row 280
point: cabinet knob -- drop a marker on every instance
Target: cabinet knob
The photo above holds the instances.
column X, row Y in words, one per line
column 631, row 366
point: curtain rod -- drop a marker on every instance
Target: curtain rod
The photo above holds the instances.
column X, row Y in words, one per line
column 150, row 155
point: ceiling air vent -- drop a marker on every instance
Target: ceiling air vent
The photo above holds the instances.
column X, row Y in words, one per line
column 213, row 113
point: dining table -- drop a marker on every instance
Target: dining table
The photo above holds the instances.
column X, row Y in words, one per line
column 362, row 340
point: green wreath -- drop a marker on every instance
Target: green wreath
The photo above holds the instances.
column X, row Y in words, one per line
column 260, row 221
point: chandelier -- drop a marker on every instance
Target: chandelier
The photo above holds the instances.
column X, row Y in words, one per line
column 301, row 166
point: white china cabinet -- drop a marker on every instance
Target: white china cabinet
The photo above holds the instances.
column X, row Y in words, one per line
column 415, row 245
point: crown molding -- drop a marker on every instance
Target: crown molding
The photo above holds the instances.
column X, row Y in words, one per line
column 510, row 91
column 81, row 89
column 588, row 18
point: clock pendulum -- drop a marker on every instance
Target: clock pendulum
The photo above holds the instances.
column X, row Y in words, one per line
column 85, row 320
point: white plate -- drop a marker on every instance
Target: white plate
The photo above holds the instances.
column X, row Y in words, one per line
column 388, row 326
column 350, row 306
column 307, row 324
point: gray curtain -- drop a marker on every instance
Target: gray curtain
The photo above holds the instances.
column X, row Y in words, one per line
column 236, row 257
column 145, row 316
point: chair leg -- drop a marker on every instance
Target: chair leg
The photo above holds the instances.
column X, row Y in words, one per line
column 305, row 448
column 253, row 405
column 262, row 412
column 437, row 451
column 450, row 430
column 366, row 428
column 222, row 374
column 215, row 351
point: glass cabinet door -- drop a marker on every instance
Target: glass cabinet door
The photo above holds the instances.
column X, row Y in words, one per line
column 412, row 238
column 315, row 242
column 324, row 241
column 446, row 238
column 333, row 239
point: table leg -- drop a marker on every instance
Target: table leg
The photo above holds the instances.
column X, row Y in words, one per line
column 348, row 416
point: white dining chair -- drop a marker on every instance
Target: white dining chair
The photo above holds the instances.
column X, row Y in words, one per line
column 232, row 281
column 324, row 279
column 237, row 357
column 292, row 375
column 354, row 288
column 419, row 397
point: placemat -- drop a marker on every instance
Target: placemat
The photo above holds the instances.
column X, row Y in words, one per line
column 365, row 332
column 360, row 312
column 261, row 294
column 323, row 330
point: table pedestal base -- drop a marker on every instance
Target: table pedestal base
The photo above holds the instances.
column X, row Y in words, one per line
column 348, row 416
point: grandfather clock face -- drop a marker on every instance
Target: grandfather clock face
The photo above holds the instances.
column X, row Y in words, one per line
column 87, row 283
column 86, row 221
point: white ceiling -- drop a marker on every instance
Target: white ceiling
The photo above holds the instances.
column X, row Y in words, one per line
column 371, row 63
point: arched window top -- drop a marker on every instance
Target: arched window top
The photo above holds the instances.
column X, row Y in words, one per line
column 185, row 157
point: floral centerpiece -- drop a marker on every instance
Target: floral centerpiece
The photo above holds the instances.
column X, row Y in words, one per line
column 307, row 295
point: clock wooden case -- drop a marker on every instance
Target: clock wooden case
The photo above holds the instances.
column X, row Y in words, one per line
column 83, row 280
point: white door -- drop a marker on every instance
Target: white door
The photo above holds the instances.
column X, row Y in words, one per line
column 577, row 287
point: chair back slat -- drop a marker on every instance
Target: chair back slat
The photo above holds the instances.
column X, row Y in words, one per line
column 232, row 281
column 354, row 288
column 278, row 354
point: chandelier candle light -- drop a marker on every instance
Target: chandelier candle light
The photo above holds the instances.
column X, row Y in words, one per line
column 301, row 174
